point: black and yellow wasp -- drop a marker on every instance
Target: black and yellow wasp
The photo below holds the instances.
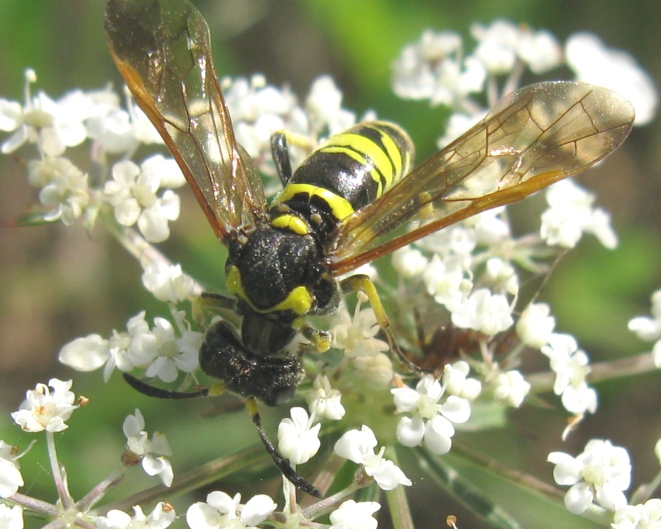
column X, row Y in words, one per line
column 351, row 201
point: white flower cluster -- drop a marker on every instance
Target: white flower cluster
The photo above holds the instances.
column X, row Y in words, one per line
column 601, row 473
column 431, row 421
column 46, row 409
column 152, row 453
column 358, row 446
column 437, row 69
column 158, row 349
column 649, row 329
column 571, row 366
column 139, row 195
column 161, row 517
column 258, row 110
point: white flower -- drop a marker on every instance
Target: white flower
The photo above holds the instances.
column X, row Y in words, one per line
column 433, row 69
column 108, row 124
column 457, row 124
column 594, row 63
column 454, row 242
column 408, row 262
column 221, row 511
column 539, row 50
column 161, row 517
column 132, row 192
column 511, row 388
column 140, row 447
column 502, row 43
column 501, row 276
column 85, row 354
column 497, row 45
column 375, row 372
column 535, row 325
column 357, row 336
column 124, row 350
column 642, row 516
column 571, row 214
column 10, row 474
column 258, row 110
column 491, row 227
column 483, row 312
column 324, row 106
column 571, row 366
column 11, row 517
column 171, row 354
column 44, row 409
column 298, row 440
column 118, row 130
column 649, row 329
column 323, row 400
column 64, row 188
column 358, row 446
column 352, row 515
column 52, row 126
column 457, row 382
column 578, row 399
column 167, row 282
column 601, row 473
column 430, row 421
column 444, row 279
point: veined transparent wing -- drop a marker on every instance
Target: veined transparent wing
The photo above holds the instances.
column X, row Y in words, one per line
column 162, row 49
column 534, row 137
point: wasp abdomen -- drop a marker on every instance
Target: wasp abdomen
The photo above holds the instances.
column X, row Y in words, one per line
column 351, row 170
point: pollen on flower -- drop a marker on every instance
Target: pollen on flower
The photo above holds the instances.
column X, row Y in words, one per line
column 46, row 407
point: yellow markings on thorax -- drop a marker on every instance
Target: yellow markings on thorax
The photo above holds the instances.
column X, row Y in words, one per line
column 299, row 300
column 340, row 207
column 291, row 222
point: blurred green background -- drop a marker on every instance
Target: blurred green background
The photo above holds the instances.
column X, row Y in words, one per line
column 57, row 283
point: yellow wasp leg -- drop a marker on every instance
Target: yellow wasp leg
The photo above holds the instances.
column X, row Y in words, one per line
column 362, row 283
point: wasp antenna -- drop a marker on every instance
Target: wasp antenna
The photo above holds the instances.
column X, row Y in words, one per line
column 159, row 393
column 292, row 476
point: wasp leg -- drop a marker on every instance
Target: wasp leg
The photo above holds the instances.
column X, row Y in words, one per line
column 160, row 393
column 296, row 479
column 362, row 283
column 320, row 341
column 212, row 302
column 280, row 154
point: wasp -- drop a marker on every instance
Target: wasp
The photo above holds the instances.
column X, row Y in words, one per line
column 352, row 200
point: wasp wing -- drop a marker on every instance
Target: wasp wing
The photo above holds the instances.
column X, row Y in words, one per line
column 162, row 49
column 533, row 138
